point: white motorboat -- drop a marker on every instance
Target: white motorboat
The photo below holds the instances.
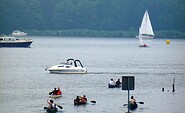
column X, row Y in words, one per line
column 9, row 41
column 18, row 33
column 71, row 67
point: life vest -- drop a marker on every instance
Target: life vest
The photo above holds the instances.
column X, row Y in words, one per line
column 52, row 105
column 59, row 92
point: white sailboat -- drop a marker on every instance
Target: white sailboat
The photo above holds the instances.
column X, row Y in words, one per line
column 146, row 30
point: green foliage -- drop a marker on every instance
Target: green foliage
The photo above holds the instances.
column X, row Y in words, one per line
column 82, row 32
column 170, row 34
column 92, row 17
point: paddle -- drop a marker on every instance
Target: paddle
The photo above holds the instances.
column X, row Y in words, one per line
column 136, row 102
column 93, row 101
column 50, row 93
column 59, row 106
column 140, row 102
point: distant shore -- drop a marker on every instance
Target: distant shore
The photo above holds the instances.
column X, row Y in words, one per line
column 96, row 33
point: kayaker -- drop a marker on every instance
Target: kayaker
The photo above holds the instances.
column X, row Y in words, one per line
column 118, row 83
column 77, row 99
column 132, row 100
column 112, row 83
column 59, row 92
column 51, row 104
column 83, row 99
column 54, row 92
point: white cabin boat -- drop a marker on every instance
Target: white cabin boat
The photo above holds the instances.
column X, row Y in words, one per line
column 9, row 41
column 18, row 33
column 68, row 68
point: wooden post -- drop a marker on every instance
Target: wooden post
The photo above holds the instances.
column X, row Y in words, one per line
column 173, row 85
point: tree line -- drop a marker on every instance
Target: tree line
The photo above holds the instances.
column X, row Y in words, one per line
column 120, row 17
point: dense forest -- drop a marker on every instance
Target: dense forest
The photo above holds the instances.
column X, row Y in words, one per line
column 92, row 17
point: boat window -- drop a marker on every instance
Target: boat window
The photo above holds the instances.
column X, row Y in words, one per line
column 68, row 66
column 9, row 39
column 60, row 66
column 1, row 39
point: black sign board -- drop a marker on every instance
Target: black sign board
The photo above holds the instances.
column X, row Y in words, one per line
column 128, row 82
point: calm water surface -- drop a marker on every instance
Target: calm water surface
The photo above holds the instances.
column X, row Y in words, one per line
column 24, row 83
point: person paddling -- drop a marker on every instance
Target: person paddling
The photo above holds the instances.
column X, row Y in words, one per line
column 59, row 92
column 83, row 99
column 118, row 83
column 132, row 103
column 112, row 83
column 54, row 92
column 51, row 104
column 132, row 100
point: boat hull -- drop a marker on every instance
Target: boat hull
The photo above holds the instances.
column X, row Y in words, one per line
column 52, row 110
column 79, row 103
column 113, row 86
column 144, row 45
column 132, row 106
column 68, row 71
column 16, row 44
column 55, row 96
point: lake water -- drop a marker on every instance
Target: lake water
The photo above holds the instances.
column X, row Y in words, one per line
column 24, row 83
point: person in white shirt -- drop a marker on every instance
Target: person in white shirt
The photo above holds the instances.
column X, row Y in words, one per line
column 51, row 104
column 112, row 83
column 132, row 100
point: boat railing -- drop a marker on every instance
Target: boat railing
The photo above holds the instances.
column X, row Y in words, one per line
column 76, row 63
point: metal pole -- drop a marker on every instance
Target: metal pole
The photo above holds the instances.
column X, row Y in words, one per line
column 128, row 94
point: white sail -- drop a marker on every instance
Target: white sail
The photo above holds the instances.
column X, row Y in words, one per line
column 146, row 30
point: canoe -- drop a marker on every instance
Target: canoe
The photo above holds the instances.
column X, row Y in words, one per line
column 55, row 96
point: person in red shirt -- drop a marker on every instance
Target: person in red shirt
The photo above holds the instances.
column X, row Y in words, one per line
column 59, row 92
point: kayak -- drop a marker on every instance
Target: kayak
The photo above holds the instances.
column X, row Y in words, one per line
column 113, row 86
column 79, row 103
column 132, row 106
column 55, row 96
column 52, row 110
